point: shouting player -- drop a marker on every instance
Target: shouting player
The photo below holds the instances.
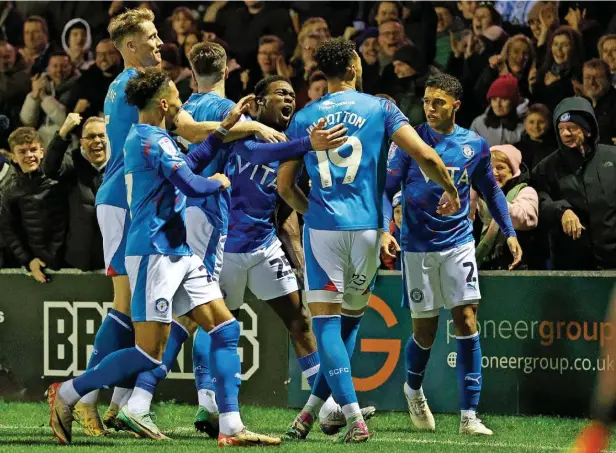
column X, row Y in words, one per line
column 134, row 34
column 438, row 263
column 253, row 256
column 343, row 220
column 165, row 276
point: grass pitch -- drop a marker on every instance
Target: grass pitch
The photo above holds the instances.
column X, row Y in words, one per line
column 24, row 428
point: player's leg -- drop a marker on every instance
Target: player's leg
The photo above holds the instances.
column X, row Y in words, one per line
column 422, row 295
column 595, row 437
column 203, row 303
column 335, row 262
column 151, row 312
column 116, row 331
column 460, row 286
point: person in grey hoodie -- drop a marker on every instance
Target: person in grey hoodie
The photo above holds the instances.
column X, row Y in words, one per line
column 77, row 43
column 577, row 194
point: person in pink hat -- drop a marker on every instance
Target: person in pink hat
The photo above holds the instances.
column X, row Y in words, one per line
column 502, row 123
column 523, row 202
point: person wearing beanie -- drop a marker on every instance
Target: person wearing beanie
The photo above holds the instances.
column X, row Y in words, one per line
column 368, row 50
column 502, row 123
column 523, row 203
column 577, row 194
column 411, row 72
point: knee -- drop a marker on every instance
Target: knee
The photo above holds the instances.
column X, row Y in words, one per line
column 299, row 327
column 465, row 323
column 226, row 336
column 424, row 337
column 155, row 351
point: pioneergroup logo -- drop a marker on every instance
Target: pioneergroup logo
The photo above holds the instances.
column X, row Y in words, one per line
column 546, row 332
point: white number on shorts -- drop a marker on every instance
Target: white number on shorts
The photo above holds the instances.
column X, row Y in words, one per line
column 128, row 180
column 351, row 163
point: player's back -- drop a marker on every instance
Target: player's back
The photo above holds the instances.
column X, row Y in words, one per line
column 253, row 201
column 211, row 107
column 119, row 117
column 424, row 230
column 348, row 182
column 156, row 206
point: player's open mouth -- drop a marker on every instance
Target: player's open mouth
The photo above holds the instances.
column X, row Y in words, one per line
column 431, row 117
column 286, row 111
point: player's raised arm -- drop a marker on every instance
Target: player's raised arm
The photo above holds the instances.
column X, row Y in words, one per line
column 186, row 127
column 407, row 139
column 288, row 189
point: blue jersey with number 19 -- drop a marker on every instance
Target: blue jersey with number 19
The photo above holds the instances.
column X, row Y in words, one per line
column 348, row 182
column 119, row 117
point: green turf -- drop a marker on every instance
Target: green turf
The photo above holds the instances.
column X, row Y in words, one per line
column 23, row 428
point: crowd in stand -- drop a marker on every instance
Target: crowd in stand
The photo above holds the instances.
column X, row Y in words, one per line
column 516, row 61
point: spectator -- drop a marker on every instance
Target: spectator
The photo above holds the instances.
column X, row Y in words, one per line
column 384, row 11
column 467, row 8
column 14, row 82
column 492, row 252
column 542, row 19
column 45, row 106
column 76, row 42
column 391, row 38
column 368, row 50
column 538, row 140
column 268, row 59
column 412, row 72
column 11, row 24
column 317, row 86
column 446, row 23
column 420, row 28
column 33, row 216
column 84, row 167
column 36, row 51
column 303, row 64
column 577, row 194
column 242, row 24
column 607, row 52
column 172, row 64
column 6, row 177
column 597, row 88
column 316, row 25
column 502, row 124
column 551, row 83
column 182, row 24
column 517, row 58
column 190, row 40
column 588, row 29
column 394, row 229
column 106, row 67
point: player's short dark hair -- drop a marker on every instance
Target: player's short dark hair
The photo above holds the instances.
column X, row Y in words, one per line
column 208, row 59
column 448, row 83
column 264, row 84
column 334, row 57
column 143, row 87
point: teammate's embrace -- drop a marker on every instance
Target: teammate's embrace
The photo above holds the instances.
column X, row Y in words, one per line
column 164, row 274
column 438, row 265
column 343, row 220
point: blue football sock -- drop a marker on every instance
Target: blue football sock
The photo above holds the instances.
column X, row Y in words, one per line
column 349, row 330
column 113, row 369
column 201, row 360
column 149, row 379
column 310, row 367
column 335, row 361
column 226, row 365
column 416, row 361
column 469, row 371
column 115, row 333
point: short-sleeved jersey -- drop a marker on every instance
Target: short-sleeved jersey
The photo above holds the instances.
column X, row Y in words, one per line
column 348, row 182
column 467, row 157
column 253, row 202
column 212, row 107
column 157, row 207
column 119, row 117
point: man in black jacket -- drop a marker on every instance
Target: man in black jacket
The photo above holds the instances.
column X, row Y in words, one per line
column 577, row 193
column 33, row 216
column 83, row 168
column 598, row 89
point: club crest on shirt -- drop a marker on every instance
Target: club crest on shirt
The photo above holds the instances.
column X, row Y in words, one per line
column 564, row 117
column 161, row 306
column 468, row 151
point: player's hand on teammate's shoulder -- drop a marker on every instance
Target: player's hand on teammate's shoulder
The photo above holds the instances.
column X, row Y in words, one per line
column 237, row 111
column 389, row 245
column 516, row 252
column 322, row 139
column 269, row 135
column 449, row 204
column 224, row 181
